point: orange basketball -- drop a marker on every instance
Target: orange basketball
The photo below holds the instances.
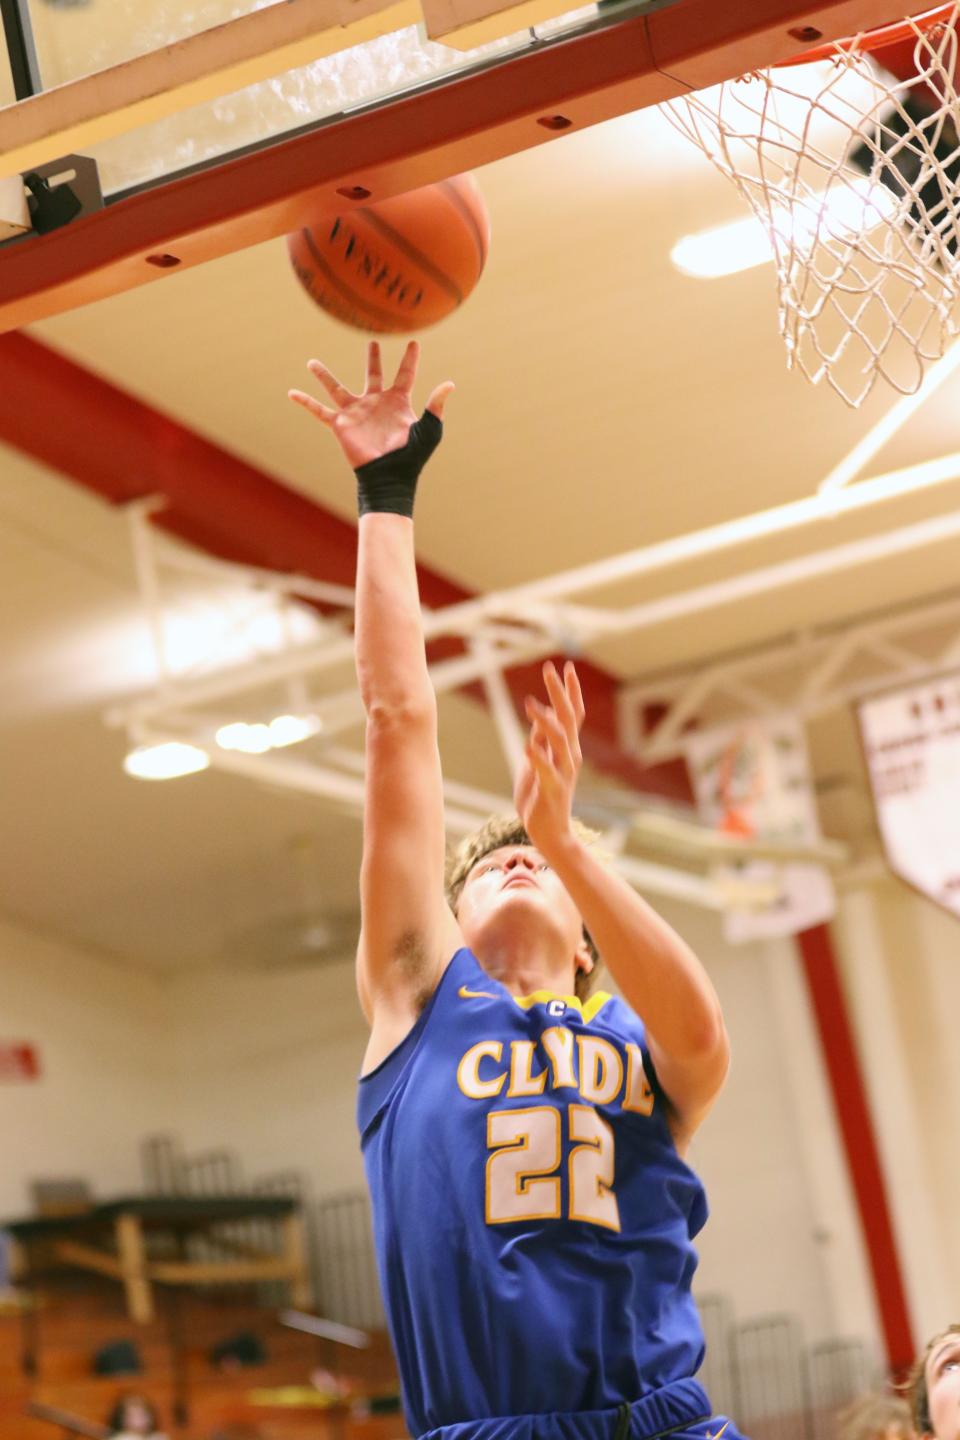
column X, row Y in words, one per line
column 397, row 265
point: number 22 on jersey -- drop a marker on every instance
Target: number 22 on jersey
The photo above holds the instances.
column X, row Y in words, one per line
column 523, row 1180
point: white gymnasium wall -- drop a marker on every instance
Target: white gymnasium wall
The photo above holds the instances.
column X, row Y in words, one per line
column 266, row 1065
column 783, row 1235
column 98, row 1031
column 928, row 969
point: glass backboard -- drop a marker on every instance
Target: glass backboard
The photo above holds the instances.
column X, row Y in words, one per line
column 74, row 38
column 381, row 105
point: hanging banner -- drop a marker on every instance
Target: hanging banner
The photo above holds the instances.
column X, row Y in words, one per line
column 911, row 741
column 753, row 780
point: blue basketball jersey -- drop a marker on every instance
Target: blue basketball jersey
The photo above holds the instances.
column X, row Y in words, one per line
column 532, row 1218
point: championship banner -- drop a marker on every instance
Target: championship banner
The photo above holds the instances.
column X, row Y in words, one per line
column 911, row 741
column 753, row 780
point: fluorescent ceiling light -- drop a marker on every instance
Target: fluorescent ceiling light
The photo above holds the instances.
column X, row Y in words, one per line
column 165, row 762
column 291, row 729
column 836, row 214
column 251, row 739
column 256, row 739
column 724, row 250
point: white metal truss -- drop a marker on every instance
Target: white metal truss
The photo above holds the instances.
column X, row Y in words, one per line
column 512, row 627
column 190, row 704
column 806, row 676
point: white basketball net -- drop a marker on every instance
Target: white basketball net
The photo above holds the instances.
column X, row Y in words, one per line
column 855, row 176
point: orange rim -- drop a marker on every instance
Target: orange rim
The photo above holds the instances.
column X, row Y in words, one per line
column 871, row 40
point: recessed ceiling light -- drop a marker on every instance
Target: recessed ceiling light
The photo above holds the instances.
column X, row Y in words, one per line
column 837, row 214
column 166, row 761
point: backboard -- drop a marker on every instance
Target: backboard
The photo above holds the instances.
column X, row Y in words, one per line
column 297, row 110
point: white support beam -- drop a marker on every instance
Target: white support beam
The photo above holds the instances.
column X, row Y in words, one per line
column 887, row 426
column 509, row 730
column 714, row 539
column 811, row 566
column 688, row 838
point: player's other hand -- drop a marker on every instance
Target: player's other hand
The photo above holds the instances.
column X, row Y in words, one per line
column 377, row 421
column 547, row 778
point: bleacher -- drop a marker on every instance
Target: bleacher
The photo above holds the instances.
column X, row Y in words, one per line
column 48, row 1348
column 73, row 1323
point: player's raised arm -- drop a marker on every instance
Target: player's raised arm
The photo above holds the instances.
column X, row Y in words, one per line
column 657, row 972
column 408, row 933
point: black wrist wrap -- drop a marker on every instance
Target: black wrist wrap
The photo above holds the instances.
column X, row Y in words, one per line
column 389, row 483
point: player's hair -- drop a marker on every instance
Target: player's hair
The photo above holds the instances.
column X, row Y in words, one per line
column 916, row 1383
column 874, row 1417
column 502, row 830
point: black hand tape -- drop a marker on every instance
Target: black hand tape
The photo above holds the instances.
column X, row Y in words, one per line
column 389, row 483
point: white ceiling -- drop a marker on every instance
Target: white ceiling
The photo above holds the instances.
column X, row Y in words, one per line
column 604, row 402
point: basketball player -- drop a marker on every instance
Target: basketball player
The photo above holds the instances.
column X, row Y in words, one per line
column 933, row 1388
column 524, row 1145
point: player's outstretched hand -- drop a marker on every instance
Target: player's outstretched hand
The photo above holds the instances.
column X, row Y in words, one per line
column 378, row 421
column 547, row 778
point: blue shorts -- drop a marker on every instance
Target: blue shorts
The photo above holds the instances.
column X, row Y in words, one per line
column 680, row 1410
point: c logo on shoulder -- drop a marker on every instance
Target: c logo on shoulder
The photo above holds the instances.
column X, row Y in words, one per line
column 556, row 1007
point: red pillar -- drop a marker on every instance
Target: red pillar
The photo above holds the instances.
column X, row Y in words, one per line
column 859, row 1142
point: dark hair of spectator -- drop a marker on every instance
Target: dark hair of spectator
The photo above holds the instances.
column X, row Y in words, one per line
column 116, row 1420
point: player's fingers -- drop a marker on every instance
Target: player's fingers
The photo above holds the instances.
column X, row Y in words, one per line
column 374, row 368
column 523, row 789
column 572, row 682
column 562, row 704
column 541, row 766
column 299, row 397
column 560, row 745
column 546, row 727
column 407, row 372
column 330, row 383
column 439, row 397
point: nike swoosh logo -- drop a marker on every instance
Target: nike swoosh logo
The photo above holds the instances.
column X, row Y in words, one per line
column 466, row 994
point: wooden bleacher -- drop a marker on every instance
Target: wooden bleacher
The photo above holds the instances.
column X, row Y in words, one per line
column 73, row 1324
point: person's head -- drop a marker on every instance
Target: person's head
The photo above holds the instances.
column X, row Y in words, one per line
column 933, row 1387
column 133, row 1415
column 876, row 1417
column 509, row 902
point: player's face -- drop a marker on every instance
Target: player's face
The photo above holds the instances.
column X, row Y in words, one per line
column 512, row 894
column 942, row 1372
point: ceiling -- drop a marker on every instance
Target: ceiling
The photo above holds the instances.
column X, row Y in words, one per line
column 604, row 402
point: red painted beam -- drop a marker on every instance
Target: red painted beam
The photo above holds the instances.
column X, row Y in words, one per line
column 106, row 440
column 458, row 125
column 859, row 1142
